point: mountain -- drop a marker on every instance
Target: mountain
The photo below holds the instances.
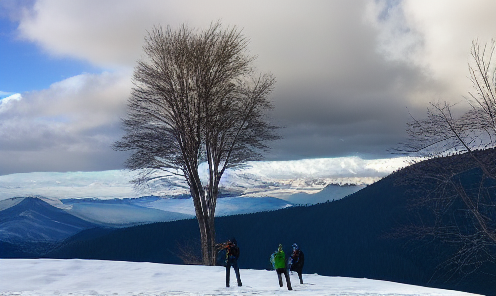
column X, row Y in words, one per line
column 357, row 236
column 34, row 220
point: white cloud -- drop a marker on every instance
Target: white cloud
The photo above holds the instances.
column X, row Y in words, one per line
column 69, row 126
column 6, row 102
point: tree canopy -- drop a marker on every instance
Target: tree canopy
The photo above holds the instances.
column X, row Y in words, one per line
column 196, row 98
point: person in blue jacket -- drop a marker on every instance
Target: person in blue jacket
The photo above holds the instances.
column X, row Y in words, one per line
column 297, row 260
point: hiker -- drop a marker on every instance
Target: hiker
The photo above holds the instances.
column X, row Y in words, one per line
column 278, row 260
column 232, row 255
column 297, row 261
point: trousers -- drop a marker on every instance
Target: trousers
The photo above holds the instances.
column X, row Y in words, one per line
column 280, row 271
column 234, row 264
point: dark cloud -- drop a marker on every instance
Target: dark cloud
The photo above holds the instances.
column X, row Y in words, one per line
column 365, row 114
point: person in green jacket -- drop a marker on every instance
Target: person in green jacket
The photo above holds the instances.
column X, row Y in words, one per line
column 278, row 260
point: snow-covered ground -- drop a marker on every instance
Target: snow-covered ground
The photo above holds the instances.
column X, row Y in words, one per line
column 29, row 277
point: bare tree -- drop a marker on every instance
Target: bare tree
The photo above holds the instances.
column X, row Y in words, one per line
column 465, row 215
column 196, row 98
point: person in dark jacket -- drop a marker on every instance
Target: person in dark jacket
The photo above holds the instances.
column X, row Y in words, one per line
column 278, row 260
column 232, row 255
column 297, row 261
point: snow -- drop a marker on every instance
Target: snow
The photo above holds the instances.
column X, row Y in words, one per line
column 30, row 277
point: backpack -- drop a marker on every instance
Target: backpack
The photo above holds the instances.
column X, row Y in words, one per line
column 234, row 251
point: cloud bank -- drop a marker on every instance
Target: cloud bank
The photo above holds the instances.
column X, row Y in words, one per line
column 273, row 178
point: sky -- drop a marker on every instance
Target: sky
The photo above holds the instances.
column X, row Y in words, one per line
column 29, row 277
column 349, row 73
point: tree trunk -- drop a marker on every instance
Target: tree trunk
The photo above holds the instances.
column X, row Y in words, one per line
column 207, row 235
column 206, row 223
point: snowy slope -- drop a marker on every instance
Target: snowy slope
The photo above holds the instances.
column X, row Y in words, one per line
column 29, row 277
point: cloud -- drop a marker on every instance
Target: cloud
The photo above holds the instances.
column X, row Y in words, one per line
column 348, row 72
column 336, row 168
column 7, row 99
column 69, row 126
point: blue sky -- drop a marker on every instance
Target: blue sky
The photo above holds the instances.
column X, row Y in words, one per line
column 26, row 67
column 348, row 72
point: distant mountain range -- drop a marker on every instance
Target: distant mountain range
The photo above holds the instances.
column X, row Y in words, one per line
column 44, row 214
column 38, row 219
